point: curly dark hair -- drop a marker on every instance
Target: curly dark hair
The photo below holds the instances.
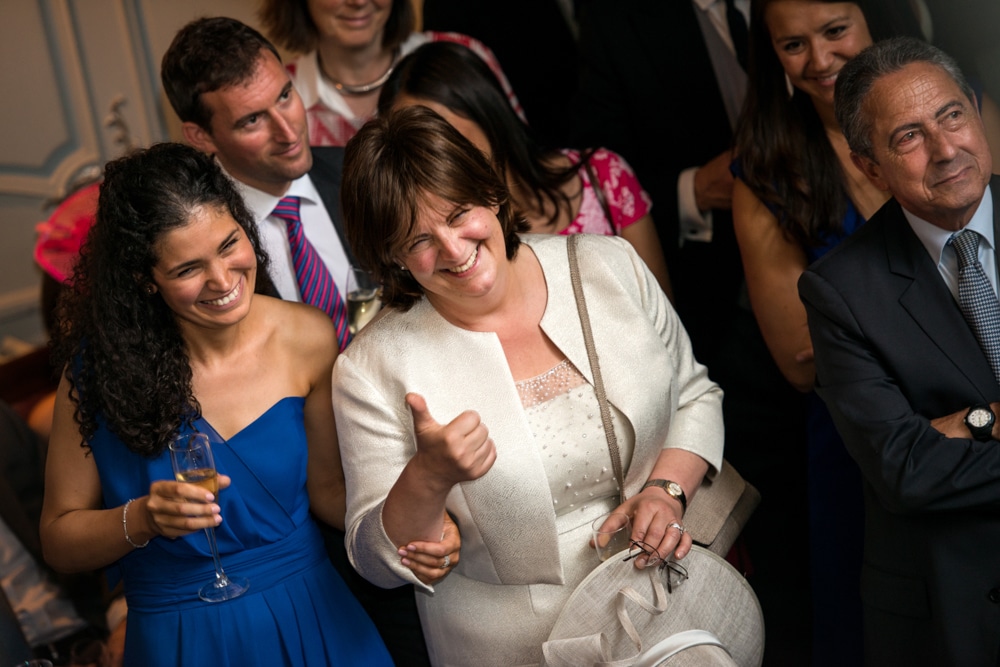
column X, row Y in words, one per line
column 787, row 160
column 290, row 24
column 453, row 76
column 389, row 167
column 120, row 346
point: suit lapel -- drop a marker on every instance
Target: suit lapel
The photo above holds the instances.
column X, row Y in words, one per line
column 677, row 54
column 326, row 173
column 925, row 296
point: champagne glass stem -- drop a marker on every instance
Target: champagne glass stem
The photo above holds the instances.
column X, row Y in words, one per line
column 220, row 575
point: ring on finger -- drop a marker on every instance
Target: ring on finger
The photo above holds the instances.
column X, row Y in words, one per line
column 679, row 527
column 446, row 563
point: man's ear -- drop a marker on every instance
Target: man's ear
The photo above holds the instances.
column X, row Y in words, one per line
column 871, row 169
column 198, row 137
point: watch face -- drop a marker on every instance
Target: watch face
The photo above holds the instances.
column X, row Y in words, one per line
column 674, row 489
column 978, row 418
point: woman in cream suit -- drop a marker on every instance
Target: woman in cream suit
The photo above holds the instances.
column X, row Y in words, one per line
column 473, row 393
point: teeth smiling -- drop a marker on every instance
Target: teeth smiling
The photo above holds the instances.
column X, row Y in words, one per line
column 468, row 264
column 229, row 298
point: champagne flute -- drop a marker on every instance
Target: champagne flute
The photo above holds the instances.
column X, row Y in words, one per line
column 191, row 457
column 362, row 298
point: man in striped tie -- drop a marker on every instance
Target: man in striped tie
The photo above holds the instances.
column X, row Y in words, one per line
column 236, row 101
column 905, row 324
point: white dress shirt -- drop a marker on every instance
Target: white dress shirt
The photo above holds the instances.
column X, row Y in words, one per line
column 935, row 240
column 317, row 226
column 696, row 225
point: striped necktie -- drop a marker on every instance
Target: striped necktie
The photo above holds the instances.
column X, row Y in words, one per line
column 315, row 283
column 976, row 297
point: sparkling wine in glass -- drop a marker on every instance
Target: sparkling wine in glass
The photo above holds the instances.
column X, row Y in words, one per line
column 362, row 298
column 191, row 457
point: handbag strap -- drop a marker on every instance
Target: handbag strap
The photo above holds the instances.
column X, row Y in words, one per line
column 599, row 193
column 595, row 366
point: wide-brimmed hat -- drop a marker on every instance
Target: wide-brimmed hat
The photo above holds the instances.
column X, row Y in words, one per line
column 711, row 617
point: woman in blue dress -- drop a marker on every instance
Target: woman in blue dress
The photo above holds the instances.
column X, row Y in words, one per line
column 164, row 334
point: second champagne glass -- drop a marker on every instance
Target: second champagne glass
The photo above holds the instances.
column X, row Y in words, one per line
column 191, row 457
column 363, row 301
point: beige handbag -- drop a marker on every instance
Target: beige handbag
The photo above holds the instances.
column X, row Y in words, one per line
column 722, row 505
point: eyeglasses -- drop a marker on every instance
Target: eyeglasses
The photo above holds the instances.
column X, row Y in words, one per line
column 676, row 573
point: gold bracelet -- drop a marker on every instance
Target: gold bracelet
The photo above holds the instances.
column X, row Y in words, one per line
column 125, row 527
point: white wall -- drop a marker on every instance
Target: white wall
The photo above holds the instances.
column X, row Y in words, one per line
column 65, row 62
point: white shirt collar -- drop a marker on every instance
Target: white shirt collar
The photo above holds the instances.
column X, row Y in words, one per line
column 935, row 238
column 261, row 203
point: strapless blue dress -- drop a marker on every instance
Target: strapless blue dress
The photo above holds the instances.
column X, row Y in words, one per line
column 297, row 611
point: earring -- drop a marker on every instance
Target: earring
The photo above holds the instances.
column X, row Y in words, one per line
column 150, row 290
column 403, row 268
column 789, row 87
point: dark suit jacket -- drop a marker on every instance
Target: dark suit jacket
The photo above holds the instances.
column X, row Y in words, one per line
column 648, row 91
column 326, row 174
column 893, row 352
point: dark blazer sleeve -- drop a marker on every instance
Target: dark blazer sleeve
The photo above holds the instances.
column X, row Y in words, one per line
column 883, row 389
column 648, row 92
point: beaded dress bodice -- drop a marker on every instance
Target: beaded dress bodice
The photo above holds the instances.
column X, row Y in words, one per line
column 565, row 418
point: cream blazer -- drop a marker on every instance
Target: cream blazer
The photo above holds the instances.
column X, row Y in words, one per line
column 506, row 517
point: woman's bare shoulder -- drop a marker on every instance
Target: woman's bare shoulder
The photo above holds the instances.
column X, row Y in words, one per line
column 307, row 330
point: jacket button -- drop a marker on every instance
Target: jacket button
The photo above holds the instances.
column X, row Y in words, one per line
column 994, row 595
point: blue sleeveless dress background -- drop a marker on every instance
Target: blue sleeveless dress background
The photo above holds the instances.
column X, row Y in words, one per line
column 297, row 611
column 836, row 506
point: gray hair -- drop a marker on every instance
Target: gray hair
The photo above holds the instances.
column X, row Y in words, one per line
column 859, row 75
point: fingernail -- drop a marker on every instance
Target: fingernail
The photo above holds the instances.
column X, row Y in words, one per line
column 406, row 562
column 402, row 551
column 218, row 519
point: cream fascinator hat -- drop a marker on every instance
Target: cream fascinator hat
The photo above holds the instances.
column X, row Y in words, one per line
column 621, row 616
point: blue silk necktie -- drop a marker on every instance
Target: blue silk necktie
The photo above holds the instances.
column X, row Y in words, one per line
column 316, row 285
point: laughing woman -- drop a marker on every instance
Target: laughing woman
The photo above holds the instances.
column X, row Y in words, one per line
column 165, row 335
column 473, row 393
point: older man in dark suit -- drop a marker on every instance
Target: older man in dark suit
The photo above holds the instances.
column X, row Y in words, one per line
column 906, row 329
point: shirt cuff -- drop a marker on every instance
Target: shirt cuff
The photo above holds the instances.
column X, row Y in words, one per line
column 694, row 224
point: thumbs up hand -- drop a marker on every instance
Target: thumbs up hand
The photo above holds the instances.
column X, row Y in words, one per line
column 458, row 451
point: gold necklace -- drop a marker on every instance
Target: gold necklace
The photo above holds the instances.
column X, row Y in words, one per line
column 362, row 88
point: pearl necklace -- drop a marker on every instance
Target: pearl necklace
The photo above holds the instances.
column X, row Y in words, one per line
column 363, row 88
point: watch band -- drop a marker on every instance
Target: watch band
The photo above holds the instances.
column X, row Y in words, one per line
column 980, row 420
column 673, row 490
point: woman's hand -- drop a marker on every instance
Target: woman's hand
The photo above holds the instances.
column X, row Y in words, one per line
column 432, row 561
column 455, row 452
column 655, row 520
column 173, row 509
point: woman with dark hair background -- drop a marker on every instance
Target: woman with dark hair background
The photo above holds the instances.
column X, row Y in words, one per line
column 165, row 332
column 797, row 195
column 556, row 191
